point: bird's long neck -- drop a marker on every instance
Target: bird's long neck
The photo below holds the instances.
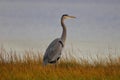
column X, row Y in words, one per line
column 64, row 32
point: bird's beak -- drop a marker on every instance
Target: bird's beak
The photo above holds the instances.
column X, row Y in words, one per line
column 72, row 16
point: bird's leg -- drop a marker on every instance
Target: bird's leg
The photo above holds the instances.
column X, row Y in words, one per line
column 55, row 64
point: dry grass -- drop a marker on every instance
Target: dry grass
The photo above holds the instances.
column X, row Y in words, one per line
column 29, row 67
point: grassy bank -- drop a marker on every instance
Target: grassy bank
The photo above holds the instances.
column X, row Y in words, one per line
column 29, row 67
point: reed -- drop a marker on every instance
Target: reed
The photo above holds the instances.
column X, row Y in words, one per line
column 29, row 67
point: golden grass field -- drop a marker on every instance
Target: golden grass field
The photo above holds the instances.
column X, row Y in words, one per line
column 29, row 67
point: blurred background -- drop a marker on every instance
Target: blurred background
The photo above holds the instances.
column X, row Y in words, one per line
column 33, row 24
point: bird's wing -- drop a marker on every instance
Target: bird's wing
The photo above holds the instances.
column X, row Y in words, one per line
column 54, row 50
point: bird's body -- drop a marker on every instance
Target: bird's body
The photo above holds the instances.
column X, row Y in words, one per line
column 54, row 50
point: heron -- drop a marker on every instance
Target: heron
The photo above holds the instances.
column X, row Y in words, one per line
column 54, row 50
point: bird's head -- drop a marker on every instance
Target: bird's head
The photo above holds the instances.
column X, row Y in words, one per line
column 66, row 16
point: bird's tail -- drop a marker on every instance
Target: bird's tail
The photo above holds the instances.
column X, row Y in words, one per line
column 45, row 62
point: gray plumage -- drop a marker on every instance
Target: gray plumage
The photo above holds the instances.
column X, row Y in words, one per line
column 54, row 50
